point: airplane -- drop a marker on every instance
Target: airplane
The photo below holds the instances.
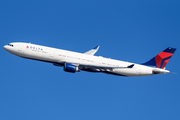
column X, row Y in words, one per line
column 75, row 62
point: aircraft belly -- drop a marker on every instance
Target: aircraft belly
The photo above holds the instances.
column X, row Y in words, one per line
column 133, row 72
column 127, row 72
column 145, row 72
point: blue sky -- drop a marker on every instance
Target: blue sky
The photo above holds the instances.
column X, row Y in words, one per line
column 128, row 30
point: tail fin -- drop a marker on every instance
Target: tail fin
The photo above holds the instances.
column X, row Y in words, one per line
column 161, row 59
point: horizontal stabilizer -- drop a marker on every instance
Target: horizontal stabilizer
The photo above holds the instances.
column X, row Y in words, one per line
column 131, row 66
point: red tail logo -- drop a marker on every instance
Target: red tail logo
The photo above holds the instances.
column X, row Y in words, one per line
column 161, row 59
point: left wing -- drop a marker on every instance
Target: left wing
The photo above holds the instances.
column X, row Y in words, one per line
column 101, row 68
column 92, row 51
column 96, row 68
column 93, row 68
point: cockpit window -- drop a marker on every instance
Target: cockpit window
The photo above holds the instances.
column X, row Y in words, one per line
column 10, row 45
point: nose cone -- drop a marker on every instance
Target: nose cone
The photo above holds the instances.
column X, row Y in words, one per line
column 5, row 47
column 8, row 48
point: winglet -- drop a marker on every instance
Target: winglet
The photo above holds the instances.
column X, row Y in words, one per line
column 92, row 51
column 97, row 47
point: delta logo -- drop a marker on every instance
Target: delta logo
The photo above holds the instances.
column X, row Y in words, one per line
column 34, row 48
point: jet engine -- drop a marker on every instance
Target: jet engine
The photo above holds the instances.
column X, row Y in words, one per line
column 71, row 68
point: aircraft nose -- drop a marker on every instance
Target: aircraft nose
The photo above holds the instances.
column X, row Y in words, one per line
column 5, row 47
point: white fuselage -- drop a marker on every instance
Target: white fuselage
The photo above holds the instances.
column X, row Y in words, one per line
column 59, row 57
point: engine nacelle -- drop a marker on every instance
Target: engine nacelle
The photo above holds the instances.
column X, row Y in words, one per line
column 71, row 68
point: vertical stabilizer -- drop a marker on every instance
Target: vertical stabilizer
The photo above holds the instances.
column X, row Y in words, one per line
column 161, row 59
